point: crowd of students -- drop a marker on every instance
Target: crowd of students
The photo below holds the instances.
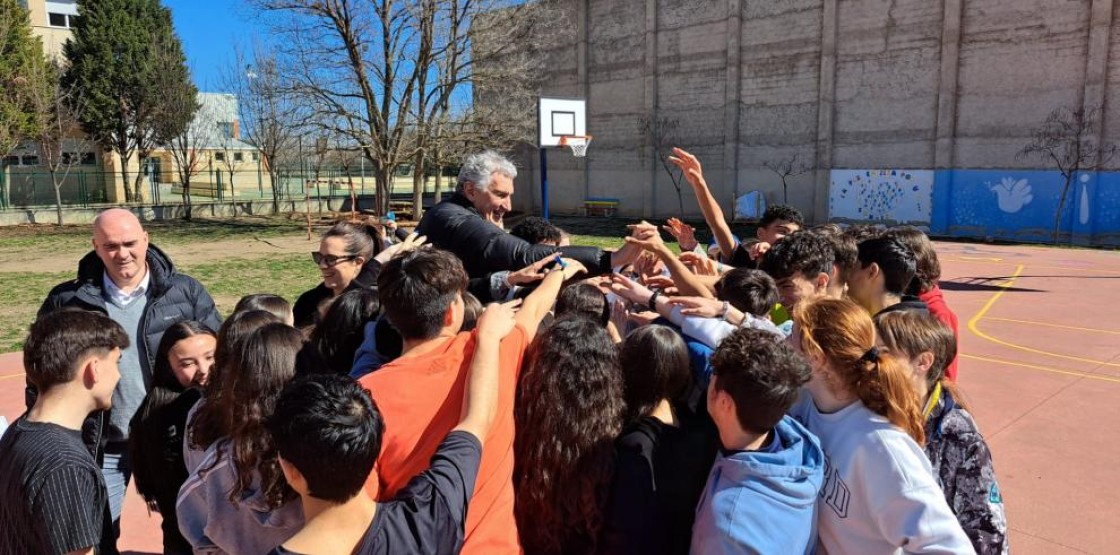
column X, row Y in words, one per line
column 789, row 393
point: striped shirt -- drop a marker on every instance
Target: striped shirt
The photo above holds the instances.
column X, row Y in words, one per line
column 52, row 495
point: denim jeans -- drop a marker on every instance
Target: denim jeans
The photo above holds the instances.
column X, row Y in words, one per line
column 116, row 469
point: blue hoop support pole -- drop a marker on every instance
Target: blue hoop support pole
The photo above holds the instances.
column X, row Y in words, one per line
column 544, row 182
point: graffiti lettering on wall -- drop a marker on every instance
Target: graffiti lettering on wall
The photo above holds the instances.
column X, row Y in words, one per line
column 891, row 196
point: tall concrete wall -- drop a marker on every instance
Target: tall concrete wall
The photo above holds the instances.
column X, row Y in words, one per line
column 934, row 84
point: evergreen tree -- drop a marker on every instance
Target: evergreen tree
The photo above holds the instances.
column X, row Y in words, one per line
column 124, row 58
column 20, row 52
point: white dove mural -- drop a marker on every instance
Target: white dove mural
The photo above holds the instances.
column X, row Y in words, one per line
column 1012, row 194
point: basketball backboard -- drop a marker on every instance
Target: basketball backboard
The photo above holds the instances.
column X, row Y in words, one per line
column 560, row 117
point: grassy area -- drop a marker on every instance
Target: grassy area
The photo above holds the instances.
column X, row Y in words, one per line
column 227, row 279
column 21, row 293
column 26, row 238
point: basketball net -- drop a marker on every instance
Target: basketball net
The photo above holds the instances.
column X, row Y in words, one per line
column 578, row 144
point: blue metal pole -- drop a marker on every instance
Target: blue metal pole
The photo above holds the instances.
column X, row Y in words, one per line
column 544, row 182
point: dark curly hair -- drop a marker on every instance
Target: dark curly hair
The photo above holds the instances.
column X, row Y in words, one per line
column 801, row 253
column 536, row 230
column 260, row 369
column 569, row 411
column 749, row 290
column 929, row 268
column 762, row 374
column 782, row 212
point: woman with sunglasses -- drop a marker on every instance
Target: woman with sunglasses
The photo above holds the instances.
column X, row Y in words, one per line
column 344, row 249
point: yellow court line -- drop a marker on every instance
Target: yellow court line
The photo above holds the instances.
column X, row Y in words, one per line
column 972, row 325
column 12, row 376
column 1044, row 368
column 1049, row 325
column 1009, row 262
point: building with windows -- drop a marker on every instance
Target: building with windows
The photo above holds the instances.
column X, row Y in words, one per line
column 227, row 167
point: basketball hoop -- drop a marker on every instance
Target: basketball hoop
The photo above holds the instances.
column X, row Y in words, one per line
column 578, row 144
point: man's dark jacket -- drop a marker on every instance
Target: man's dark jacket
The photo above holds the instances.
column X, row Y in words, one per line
column 172, row 298
column 454, row 225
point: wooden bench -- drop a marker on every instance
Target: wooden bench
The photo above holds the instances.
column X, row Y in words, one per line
column 600, row 207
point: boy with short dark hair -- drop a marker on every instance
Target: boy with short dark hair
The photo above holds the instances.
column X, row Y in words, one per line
column 885, row 266
column 802, row 266
column 328, row 434
column 52, row 494
column 778, row 222
column 768, row 461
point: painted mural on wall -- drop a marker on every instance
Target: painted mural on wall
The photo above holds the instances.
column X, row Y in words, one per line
column 1021, row 206
column 888, row 196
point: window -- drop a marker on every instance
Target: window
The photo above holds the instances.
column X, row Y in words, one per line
column 256, row 157
column 11, row 160
column 238, row 157
column 30, row 160
column 89, row 159
column 226, row 129
column 220, row 156
column 57, row 19
column 69, row 158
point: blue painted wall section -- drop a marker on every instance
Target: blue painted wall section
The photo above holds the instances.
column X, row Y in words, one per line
column 1020, row 205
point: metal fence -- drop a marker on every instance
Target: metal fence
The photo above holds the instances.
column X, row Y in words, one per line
column 34, row 188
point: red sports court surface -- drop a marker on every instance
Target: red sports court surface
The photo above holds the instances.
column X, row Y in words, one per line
column 1040, row 364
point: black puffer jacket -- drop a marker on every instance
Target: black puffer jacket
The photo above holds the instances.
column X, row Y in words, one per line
column 454, row 225
column 172, row 298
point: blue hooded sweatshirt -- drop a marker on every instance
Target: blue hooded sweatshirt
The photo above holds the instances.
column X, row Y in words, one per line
column 763, row 501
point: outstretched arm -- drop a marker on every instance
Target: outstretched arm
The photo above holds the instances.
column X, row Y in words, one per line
column 713, row 214
column 480, row 400
column 540, row 301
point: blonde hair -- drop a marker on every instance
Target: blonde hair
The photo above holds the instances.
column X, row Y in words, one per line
column 842, row 333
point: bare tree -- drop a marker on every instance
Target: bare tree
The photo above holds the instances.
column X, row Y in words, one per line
column 785, row 169
column 1068, row 140
column 187, row 147
column 386, row 71
column 660, row 132
column 270, row 117
column 56, row 109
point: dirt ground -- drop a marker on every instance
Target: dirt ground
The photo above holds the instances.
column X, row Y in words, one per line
column 64, row 259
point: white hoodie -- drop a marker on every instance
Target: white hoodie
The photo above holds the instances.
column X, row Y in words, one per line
column 879, row 494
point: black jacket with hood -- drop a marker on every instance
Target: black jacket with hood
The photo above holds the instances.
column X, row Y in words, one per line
column 172, row 298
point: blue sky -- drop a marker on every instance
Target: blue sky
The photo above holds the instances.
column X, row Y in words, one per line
column 209, row 30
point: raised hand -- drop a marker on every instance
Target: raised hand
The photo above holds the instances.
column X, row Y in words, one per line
column 689, row 166
column 699, row 306
column 530, row 273
column 682, row 232
column 758, row 249
column 629, row 289
column 573, row 268
column 412, row 242
column 701, row 265
column 497, row 321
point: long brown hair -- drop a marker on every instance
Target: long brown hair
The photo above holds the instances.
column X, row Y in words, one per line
column 569, row 411
column 207, row 425
column 842, row 333
column 256, row 374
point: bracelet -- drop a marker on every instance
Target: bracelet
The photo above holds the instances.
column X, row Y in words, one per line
column 653, row 299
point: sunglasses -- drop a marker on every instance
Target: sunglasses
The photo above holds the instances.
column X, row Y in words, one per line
column 330, row 260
